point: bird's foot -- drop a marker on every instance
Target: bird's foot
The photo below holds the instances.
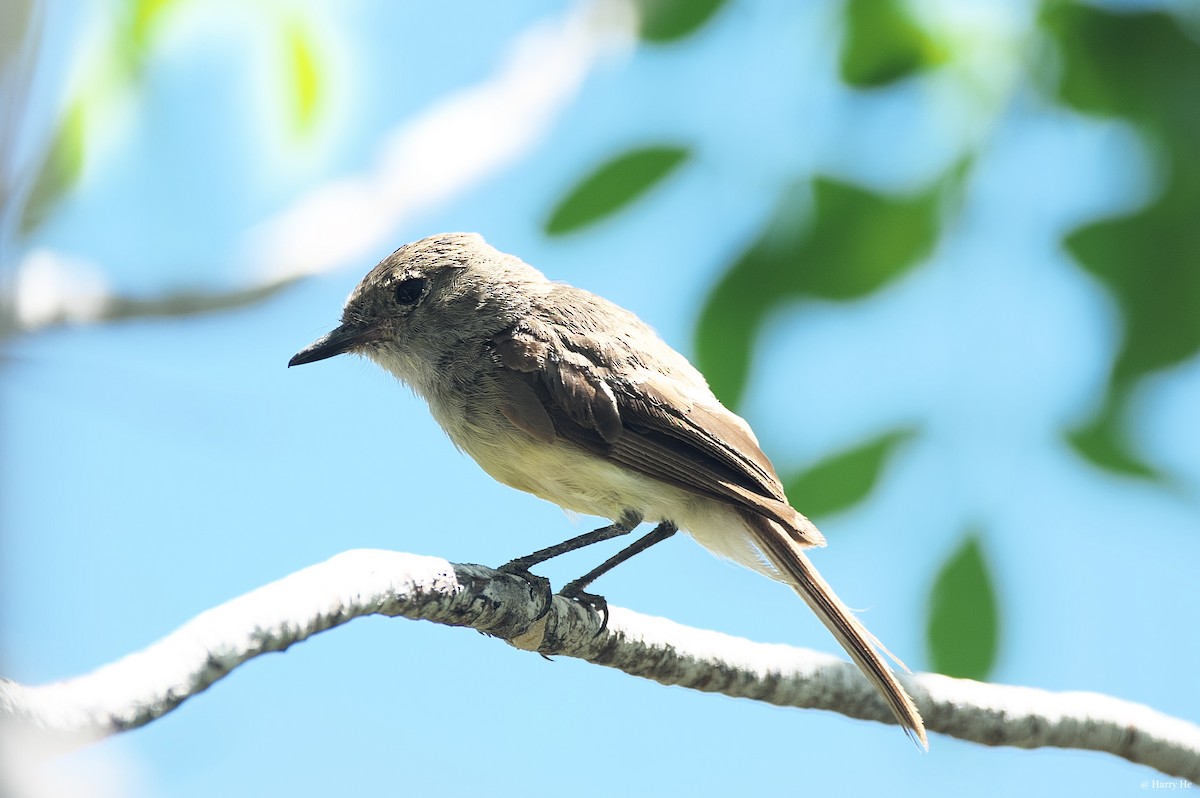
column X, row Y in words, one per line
column 575, row 592
column 538, row 585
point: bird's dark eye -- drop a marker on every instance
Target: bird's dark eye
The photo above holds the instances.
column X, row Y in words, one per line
column 409, row 291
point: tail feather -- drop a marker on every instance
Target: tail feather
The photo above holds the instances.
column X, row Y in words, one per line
column 794, row 567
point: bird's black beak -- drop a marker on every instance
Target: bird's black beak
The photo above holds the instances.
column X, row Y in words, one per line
column 342, row 338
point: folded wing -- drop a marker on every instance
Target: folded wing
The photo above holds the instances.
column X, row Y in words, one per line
column 642, row 419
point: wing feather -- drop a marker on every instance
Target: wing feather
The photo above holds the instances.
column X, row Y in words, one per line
column 643, row 421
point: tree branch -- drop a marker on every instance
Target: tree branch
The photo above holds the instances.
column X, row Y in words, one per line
column 145, row 685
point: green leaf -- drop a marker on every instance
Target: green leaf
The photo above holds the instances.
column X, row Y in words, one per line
column 612, row 186
column 844, row 479
column 1143, row 67
column 663, row 21
column 863, row 240
column 305, row 79
column 845, row 243
column 60, row 170
column 1102, row 442
column 145, row 15
column 738, row 305
column 139, row 24
column 1138, row 64
column 884, row 44
column 1150, row 261
column 963, row 629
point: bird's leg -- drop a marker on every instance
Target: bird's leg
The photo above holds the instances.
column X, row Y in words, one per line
column 624, row 526
column 660, row 533
column 575, row 590
column 520, row 566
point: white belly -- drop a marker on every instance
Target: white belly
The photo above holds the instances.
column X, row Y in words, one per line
column 581, row 482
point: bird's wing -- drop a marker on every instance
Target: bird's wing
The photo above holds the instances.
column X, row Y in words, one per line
column 623, row 406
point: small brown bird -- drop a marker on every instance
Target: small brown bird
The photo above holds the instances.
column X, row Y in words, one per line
column 560, row 393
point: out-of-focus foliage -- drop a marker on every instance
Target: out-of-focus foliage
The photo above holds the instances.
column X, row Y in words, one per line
column 623, row 179
column 831, row 240
column 305, row 77
column 1144, row 68
column 612, row 186
column 663, row 21
column 119, row 66
column 141, row 19
column 60, row 168
column 883, row 44
column 844, row 244
column 844, row 479
column 963, row 629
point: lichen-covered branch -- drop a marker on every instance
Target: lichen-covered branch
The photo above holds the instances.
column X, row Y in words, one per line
column 139, row 688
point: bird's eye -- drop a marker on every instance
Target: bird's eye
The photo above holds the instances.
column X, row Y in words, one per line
column 409, row 291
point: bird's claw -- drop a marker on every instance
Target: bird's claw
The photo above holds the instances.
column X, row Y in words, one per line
column 538, row 584
column 596, row 603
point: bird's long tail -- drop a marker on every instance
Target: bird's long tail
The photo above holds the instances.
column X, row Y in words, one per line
column 863, row 647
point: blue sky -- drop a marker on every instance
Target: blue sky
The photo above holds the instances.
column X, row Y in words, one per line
column 152, row 469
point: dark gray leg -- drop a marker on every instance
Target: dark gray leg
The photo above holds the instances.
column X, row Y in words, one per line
column 660, row 533
column 575, row 590
column 624, row 526
column 520, row 566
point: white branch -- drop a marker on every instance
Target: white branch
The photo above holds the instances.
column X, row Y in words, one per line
column 51, row 290
column 139, row 688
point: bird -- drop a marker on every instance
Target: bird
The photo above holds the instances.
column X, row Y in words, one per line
column 558, row 392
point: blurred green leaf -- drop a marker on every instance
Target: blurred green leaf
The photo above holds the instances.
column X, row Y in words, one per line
column 662, row 21
column 1151, row 262
column 145, row 15
column 60, row 169
column 862, row 240
column 612, row 186
column 305, row 78
column 1138, row 64
column 847, row 243
column 884, row 44
column 963, row 629
column 1143, row 67
column 140, row 21
column 846, row 478
column 1102, row 441
column 125, row 60
column 737, row 305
